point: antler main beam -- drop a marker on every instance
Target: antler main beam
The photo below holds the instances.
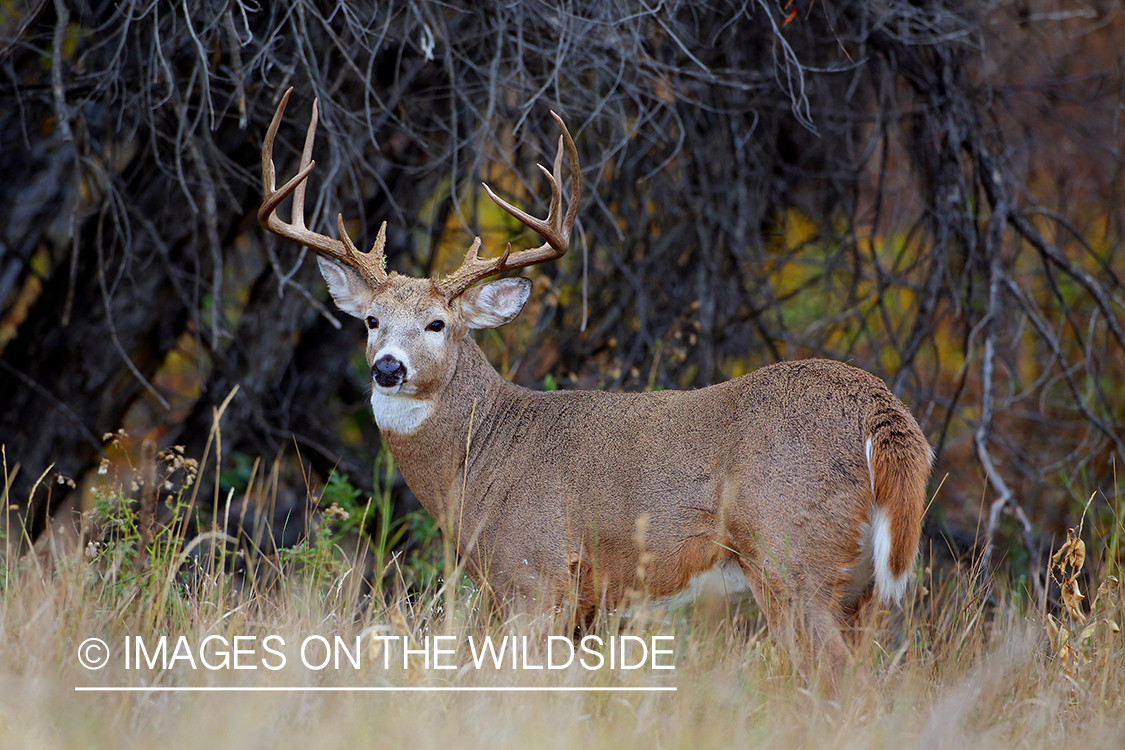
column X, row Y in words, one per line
column 555, row 229
column 370, row 266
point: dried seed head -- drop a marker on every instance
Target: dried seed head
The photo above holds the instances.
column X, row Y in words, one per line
column 335, row 511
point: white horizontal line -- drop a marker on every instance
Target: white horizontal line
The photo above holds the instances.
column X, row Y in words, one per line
column 369, row 689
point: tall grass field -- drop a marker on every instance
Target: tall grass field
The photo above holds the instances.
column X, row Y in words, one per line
column 972, row 660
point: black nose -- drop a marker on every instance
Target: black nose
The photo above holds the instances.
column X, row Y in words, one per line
column 388, row 371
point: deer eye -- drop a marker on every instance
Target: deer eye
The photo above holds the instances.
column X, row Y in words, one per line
column 372, row 322
column 436, row 326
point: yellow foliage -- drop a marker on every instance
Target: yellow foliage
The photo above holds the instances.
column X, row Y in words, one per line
column 791, row 229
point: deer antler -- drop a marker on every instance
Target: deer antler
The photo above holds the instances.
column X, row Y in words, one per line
column 555, row 229
column 370, row 266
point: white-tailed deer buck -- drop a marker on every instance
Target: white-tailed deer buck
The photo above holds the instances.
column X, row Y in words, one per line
column 809, row 476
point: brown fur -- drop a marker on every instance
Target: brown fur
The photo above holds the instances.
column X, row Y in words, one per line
column 771, row 465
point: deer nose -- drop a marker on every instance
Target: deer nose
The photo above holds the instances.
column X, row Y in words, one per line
column 388, row 371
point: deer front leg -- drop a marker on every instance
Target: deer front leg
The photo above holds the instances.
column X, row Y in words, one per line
column 538, row 603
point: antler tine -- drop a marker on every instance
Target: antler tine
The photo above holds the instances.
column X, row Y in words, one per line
column 298, row 211
column 555, row 229
column 370, row 266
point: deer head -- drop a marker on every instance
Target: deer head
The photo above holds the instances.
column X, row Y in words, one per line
column 415, row 326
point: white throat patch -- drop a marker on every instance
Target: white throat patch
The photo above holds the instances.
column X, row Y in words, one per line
column 399, row 413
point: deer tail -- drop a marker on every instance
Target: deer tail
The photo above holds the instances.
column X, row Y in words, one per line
column 898, row 462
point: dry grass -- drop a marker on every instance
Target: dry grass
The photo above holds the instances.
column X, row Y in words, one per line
column 949, row 671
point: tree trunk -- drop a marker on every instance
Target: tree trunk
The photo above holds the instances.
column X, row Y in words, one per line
column 66, row 385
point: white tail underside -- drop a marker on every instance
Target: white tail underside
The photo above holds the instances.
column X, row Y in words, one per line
column 888, row 587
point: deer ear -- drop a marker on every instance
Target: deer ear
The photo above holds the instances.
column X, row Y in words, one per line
column 348, row 289
column 494, row 304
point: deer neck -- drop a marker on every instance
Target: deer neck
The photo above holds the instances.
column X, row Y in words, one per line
column 430, row 455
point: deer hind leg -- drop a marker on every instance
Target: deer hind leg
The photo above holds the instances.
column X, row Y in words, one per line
column 835, row 614
column 772, row 602
column 809, row 628
column 862, row 618
column 827, row 652
column 776, row 605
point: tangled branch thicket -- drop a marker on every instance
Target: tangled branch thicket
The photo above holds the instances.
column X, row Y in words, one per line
column 861, row 180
